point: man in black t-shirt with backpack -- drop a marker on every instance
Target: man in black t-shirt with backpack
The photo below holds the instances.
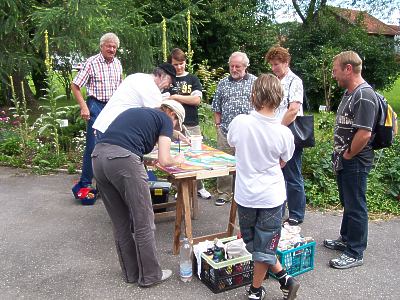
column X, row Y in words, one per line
column 352, row 158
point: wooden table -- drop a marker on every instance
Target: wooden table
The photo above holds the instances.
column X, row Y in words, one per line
column 207, row 163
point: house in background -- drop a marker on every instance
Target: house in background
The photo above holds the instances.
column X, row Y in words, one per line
column 373, row 25
column 397, row 36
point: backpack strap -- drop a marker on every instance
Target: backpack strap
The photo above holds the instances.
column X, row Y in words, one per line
column 359, row 88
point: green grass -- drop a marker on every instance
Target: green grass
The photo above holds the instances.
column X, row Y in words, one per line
column 393, row 96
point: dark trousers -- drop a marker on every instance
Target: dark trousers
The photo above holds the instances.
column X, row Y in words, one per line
column 122, row 179
column 352, row 185
column 95, row 107
column 296, row 197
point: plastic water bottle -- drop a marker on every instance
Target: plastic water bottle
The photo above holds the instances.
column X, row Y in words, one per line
column 185, row 261
column 306, row 258
column 288, row 262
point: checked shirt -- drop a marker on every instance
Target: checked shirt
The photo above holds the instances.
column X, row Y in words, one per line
column 100, row 77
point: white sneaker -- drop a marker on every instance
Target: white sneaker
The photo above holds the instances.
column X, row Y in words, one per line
column 203, row 193
column 166, row 274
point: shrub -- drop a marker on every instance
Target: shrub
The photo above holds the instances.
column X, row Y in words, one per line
column 384, row 181
column 320, row 184
column 209, row 79
column 11, row 146
column 10, row 140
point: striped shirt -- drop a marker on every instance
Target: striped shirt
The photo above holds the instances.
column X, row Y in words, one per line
column 100, row 77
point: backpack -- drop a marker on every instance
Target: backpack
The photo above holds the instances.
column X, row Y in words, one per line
column 386, row 125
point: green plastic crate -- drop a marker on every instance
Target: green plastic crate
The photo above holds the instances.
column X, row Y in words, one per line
column 297, row 260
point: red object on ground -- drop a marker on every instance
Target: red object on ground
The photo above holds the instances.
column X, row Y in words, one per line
column 85, row 192
column 87, row 195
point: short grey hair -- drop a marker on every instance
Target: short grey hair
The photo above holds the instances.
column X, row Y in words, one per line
column 158, row 72
column 109, row 37
column 243, row 55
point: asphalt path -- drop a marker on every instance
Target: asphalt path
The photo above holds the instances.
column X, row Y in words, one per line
column 51, row 247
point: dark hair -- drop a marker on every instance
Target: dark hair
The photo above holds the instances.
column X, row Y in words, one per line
column 176, row 54
column 267, row 91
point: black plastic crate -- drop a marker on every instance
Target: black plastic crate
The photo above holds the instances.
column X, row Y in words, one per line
column 225, row 275
column 159, row 191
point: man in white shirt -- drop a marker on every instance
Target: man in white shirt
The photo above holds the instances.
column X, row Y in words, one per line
column 137, row 90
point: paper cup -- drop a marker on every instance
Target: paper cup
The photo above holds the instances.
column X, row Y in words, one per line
column 196, row 141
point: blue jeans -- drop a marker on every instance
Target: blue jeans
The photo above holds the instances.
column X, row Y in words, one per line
column 296, row 197
column 95, row 107
column 352, row 185
column 261, row 231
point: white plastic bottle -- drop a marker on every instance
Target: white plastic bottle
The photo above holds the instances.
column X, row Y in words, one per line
column 185, row 261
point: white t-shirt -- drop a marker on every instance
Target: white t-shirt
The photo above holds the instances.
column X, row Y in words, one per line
column 259, row 143
column 293, row 92
column 137, row 90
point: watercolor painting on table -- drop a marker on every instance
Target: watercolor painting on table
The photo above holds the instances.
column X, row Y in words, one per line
column 196, row 160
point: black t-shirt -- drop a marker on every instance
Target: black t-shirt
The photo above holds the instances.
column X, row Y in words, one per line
column 357, row 110
column 138, row 130
column 186, row 85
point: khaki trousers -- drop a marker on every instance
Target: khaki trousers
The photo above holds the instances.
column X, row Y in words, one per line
column 225, row 183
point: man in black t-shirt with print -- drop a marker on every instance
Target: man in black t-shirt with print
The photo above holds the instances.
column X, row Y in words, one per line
column 352, row 158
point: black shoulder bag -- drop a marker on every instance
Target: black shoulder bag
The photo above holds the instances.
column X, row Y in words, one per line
column 302, row 127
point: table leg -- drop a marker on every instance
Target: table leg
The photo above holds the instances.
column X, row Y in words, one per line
column 232, row 218
column 182, row 211
column 195, row 201
column 178, row 218
column 186, row 207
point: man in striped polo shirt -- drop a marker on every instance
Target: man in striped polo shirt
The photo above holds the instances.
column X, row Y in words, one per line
column 101, row 75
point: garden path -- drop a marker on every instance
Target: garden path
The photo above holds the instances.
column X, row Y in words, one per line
column 51, row 247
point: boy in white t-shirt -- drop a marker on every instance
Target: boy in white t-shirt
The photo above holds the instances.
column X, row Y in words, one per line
column 263, row 146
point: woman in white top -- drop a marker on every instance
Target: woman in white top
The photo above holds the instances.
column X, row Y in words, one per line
column 290, row 107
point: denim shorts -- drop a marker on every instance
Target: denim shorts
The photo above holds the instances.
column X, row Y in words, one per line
column 261, row 231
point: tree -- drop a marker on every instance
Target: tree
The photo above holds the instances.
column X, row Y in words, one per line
column 74, row 28
column 235, row 26
column 308, row 14
column 220, row 28
column 19, row 56
column 321, row 62
column 312, row 47
column 307, row 10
